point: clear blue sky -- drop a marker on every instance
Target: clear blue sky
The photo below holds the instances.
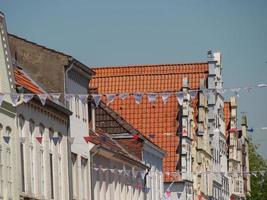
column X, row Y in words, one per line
column 119, row 32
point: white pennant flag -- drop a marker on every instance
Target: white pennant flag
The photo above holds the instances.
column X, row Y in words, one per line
column 14, row 98
column 112, row 170
column 69, row 97
column 236, row 91
column 71, row 140
column 96, row 98
column 27, row 97
column 120, row 171
column 152, row 97
column 83, row 98
column 193, row 93
column 43, row 98
column 262, row 173
column 180, row 97
column 1, row 98
column 165, row 97
column 262, row 85
column 248, row 88
column 110, row 98
column 138, row 97
column 123, row 96
column 55, row 97
column 135, row 173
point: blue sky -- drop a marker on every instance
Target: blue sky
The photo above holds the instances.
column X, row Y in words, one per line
column 120, row 32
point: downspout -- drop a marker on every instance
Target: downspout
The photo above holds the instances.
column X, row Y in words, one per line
column 66, row 78
column 145, row 182
column 91, row 165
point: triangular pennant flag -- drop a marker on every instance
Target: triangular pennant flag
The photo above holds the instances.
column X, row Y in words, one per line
column 1, row 98
column 43, row 98
column 56, row 97
column 167, row 193
column 55, row 140
column 151, row 135
column 27, row 97
column 110, row 98
column 112, row 170
column 236, row 91
column 39, row 139
column 120, row 171
column 262, row 173
column 254, row 174
column 152, row 97
column 248, row 88
column 71, row 140
column 87, row 138
column 14, row 98
column 135, row 136
column 138, row 97
column 69, row 97
column 123, row 96
column 262, row 85
column 165, row 97
column 6, row 139
column 146, row 190
column 139, row 186
column 84, row 98
column 180, row 97
column 96, row 98
column 193, row 93
column 22, row 139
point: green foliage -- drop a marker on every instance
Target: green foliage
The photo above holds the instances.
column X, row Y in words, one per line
column 259, row 182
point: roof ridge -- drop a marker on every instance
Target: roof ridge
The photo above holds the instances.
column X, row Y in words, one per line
column 150, row 74
column 147, row 65
column 39, row 45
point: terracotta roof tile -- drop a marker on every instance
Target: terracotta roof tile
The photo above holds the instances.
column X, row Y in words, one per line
column 22, row 79
column 158, row 118
column 227, row 116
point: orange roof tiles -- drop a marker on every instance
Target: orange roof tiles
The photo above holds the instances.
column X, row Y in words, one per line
column 227, row 112
column 158, row 118
column 24, row 80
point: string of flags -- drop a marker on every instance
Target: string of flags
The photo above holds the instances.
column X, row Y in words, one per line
column 151, row 96
column 138, row 173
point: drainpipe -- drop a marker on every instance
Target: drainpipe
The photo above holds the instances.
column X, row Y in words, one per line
column 145, row 182
column 91, row 165
column 66, row 77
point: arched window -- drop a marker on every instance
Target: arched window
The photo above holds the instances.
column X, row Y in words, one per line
column 42, row 162
column 32, row 149
column 22, row 150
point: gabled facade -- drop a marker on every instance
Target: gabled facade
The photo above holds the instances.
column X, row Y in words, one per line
column 149, row 153
column 167, row 121
column 8, row 154
column 61, row 73
column 41, row 164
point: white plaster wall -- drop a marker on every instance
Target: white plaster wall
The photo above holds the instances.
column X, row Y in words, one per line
column 60, row 151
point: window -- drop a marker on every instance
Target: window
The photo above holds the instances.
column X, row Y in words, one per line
column 84, row 178
column 74, row 174
column 59, row 149
column 77, row 107
column 42, row 161
column 1, row 163
column 32, row 160
column 8, row 164
column 21, row 126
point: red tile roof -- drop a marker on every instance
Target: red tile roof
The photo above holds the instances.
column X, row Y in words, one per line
column 159, row 119
column 227, row 112
column 22, row 79
column 99, row 137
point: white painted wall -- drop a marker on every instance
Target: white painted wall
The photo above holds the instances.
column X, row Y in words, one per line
column 32, row 121
column 79, row 128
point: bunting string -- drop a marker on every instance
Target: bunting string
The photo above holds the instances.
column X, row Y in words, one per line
column 138, row 96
